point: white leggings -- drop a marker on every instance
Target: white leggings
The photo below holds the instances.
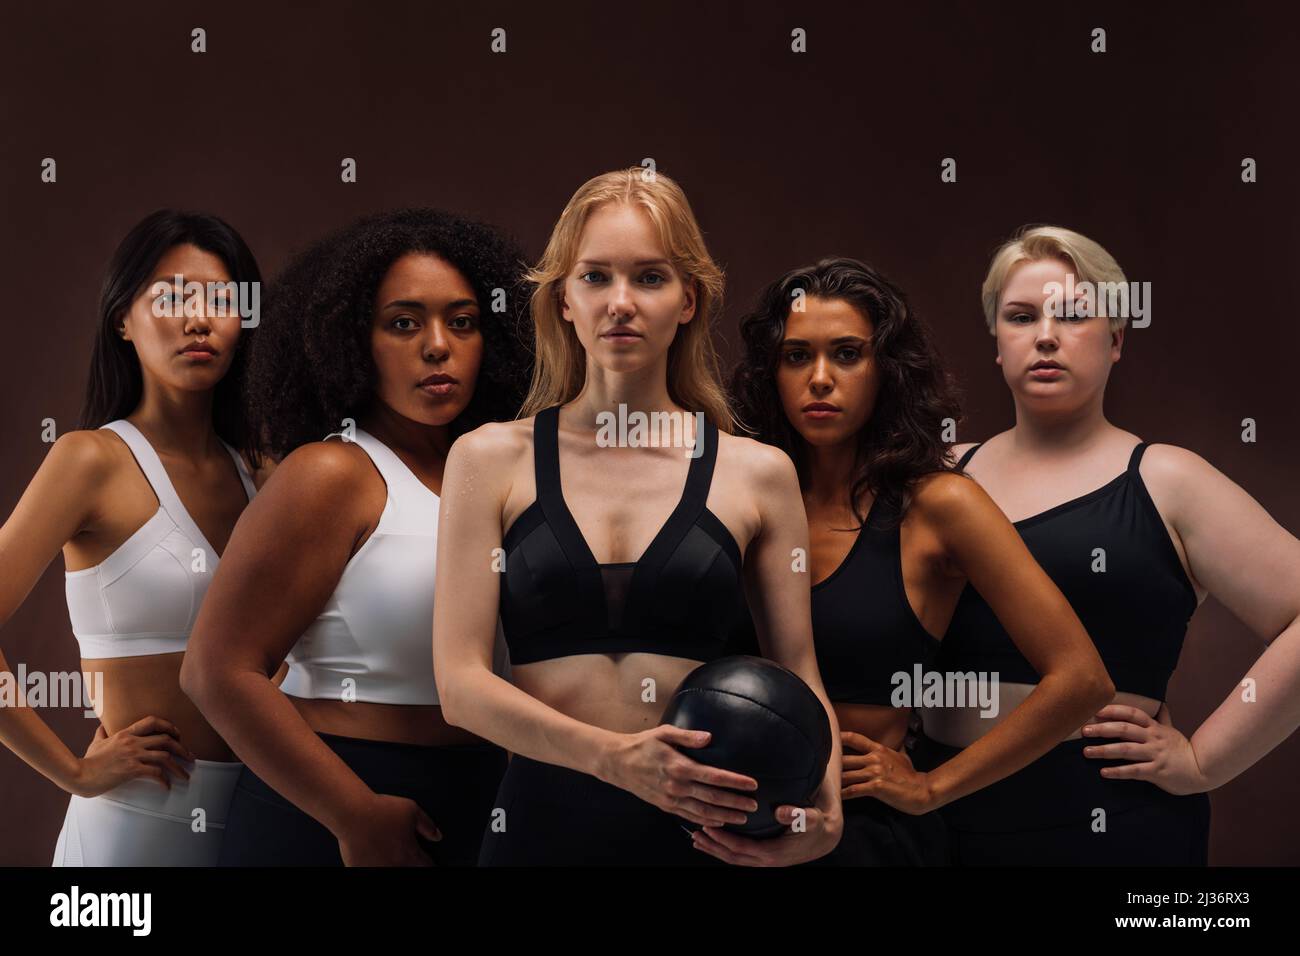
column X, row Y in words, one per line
column 142, row 824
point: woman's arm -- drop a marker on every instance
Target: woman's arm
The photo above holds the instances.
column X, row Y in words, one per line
column 283, row 562
column 1252, row 565
column 465, row 609
column 780, row 601
column 985, row 548
column 60, row 502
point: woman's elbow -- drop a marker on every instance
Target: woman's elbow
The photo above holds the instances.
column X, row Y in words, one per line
column 449, row 700
column 193, row 684
column 1098, row 687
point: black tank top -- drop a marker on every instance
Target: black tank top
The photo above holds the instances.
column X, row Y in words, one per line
column 679, row 599
column 1110, row 554
column 864, row 628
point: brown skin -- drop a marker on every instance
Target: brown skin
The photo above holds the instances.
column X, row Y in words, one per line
column 587, row 711
column 89, row 496
column 287, row 555
column 951, row 534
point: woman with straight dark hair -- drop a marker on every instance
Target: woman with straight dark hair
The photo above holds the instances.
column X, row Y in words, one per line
column 142, row 499
column 396, row 334
column 841, row 375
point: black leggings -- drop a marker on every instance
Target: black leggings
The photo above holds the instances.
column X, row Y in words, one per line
column 554, row 816
column 1048, row 815
column 875, row 834
column 453, row 785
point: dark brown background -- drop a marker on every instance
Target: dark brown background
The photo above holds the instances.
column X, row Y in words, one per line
column 785, row 158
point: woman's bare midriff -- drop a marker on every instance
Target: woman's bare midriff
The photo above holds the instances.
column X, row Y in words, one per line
column 884, row 725
column 962, row 726
column 420, row 724
column 625, row 693
column 149, row 686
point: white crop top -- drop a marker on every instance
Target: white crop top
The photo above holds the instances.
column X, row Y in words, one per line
column 373, row 642
column 143, row 598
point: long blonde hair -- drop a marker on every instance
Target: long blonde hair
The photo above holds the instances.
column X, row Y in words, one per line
column 694, row 377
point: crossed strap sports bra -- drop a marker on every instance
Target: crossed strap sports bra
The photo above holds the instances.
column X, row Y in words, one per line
column 864, row 628
column 143, row 598
column 1110, row 554
column 373, row 641
column 678, row 600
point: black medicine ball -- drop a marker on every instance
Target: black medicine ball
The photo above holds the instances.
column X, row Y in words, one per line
column 766, row 724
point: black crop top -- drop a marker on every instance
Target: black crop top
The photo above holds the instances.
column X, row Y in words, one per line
column 1136, row 611
column 679, row 599
column 864, row 628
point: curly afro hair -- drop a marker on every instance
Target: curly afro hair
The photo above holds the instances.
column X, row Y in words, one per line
column 312, row 367
column 903, row 440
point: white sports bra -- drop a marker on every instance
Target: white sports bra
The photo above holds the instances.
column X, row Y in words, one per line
column 373, row 642
column 143, row 598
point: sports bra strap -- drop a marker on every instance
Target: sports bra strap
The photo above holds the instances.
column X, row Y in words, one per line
column 546, row 459
column 245, row 478
column 153, row 469
column 969, row 453
column 1136, row 458
column 546, row 467
column 700, row 475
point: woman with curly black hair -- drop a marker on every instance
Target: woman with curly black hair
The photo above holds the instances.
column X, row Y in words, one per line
column 396, row 335
column 842, row 376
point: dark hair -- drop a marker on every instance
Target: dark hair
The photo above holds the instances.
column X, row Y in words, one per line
column 903, row 439
column 313, row 366
column 116, row 381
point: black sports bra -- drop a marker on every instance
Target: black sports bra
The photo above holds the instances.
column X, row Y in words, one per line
column 864, row 628
column 1136, row 610
column 679, row 599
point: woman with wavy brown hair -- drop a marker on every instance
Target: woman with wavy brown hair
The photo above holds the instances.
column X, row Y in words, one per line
column 842, row 376
column 607, row 605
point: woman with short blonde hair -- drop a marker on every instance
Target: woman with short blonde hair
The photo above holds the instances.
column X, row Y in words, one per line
column 1135, row 535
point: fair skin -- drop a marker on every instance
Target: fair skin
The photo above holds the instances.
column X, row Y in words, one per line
column 587, row 712
column 89, row 496
column 288, row 554
column 1062, row 447
column 829, row 383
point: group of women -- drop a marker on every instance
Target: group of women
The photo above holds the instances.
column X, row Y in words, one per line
column 262, row 526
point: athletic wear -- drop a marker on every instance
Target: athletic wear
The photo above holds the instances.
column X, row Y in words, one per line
column 678, row 599
column 143, row 598
column 1059, row 810
column 140, row 823
column 454, row 785
column 373, row 642
column 864, row 628
column 1136, row 611
column 554, row 816
column 875, row 834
